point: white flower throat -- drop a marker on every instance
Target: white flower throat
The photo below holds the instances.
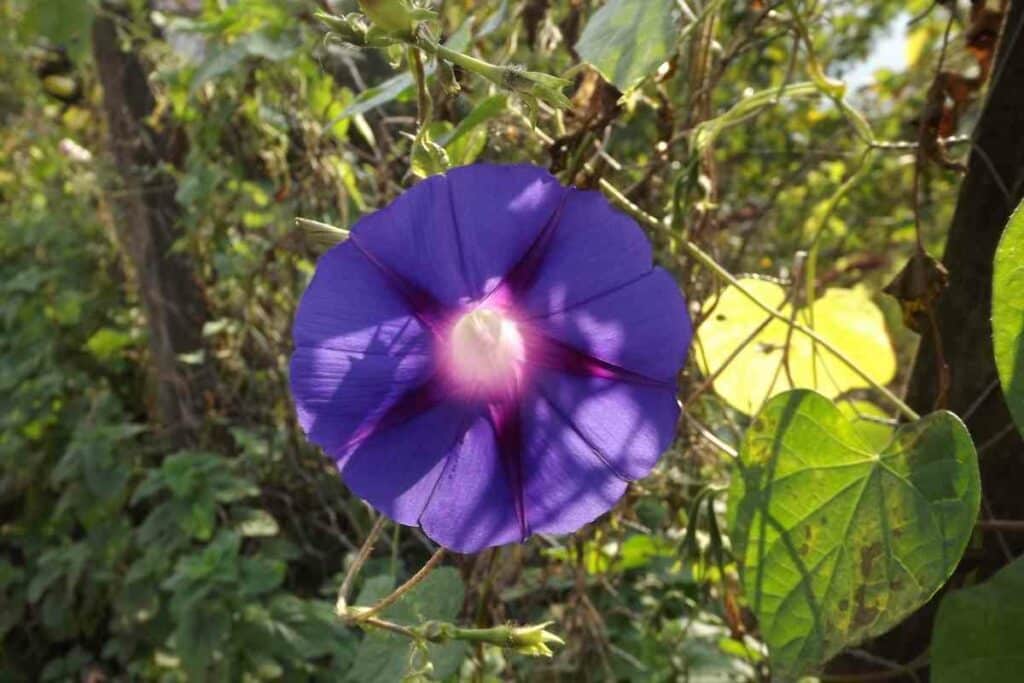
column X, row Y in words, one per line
column 486, row 349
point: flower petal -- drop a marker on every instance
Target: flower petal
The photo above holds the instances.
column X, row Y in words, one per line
column 396, row 469
column 627, row 425
column 350, row 306
column 563, row 483
column 593, row 249
column 339, row 394
column 473, row 506
column 566, row 483
column 499, row 211
column 642, row 327
column 415, row 238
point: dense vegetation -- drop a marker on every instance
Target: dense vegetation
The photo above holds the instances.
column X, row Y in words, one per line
column 162, row 517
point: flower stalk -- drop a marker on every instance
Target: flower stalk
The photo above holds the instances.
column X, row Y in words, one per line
column 361, row 614
column 341, row 606
column 532, row 85
column 532, row 641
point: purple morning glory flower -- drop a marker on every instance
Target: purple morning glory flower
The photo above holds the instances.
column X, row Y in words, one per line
column 491, row 355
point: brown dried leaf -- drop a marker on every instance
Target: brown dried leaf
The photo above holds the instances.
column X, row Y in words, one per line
column 916, row 288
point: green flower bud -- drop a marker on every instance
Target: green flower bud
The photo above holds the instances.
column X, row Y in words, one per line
column 533, row 640
column 394, row 16
column 536, row 85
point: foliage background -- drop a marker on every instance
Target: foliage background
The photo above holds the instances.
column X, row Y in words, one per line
column 132, row 552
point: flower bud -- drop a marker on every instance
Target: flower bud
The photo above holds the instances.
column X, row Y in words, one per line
column 394, row 16
column 533, row 640
column 537, row 85
column 350, row 28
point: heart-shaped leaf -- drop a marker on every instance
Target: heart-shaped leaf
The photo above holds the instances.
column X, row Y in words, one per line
column 754, row 357
column 838, row 542
column 1008, row 314
column 977, row 633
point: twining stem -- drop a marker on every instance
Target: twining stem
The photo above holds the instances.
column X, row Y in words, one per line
column 716, row 269
column 719, row 271
column 416, row 578
column 353, row 571
column 424, row 105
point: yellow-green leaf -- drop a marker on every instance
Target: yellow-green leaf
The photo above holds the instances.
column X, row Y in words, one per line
column 1008, row 315
column 847, row 318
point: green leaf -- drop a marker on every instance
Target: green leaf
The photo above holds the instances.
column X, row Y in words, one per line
column 200, row 632
column 261, row 575
column 384, row 657
column 375, row 589
column 1008, row 314
column 380, row 659
column 221, row 61
column 64, row 22
column 254, row 522
column 870, row 421
column 749, row 372
column 978, row 634
column 225, row 59
column 627, row 39
column 439, row 596
column 467, row 140
column 839, row 541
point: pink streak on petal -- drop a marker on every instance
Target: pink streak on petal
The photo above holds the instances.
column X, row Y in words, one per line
column 524, row 272
column 552, row 354
column 508, row 426
column 414, row 402
column 424, row 306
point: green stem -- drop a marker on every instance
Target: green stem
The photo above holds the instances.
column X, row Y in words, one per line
column 528, row 640
column 424, row 105
column 491, row 72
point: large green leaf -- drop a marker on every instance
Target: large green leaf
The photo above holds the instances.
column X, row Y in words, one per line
column 978, row 634
column 1008, row 314
column 627, row 39
column 839, row 541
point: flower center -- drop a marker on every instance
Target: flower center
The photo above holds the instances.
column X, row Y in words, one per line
column 486, row 349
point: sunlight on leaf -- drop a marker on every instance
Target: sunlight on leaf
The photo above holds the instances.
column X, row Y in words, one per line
column 627, row 39
column 1008, row 314
column 839, row 541
column 847, row 318
column 869, row 422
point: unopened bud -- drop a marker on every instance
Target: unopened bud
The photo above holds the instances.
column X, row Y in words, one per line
column 533, row 640
column 394, row 16
column 537, row 85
